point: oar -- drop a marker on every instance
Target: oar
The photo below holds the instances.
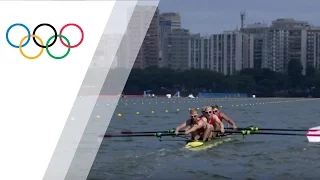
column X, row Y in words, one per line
column 148, row 132
column 122, row 135
column 156, row 134
column 244, row 132
column 311, row 136
column 173, row 131
column 252, row 128
column 275, row 129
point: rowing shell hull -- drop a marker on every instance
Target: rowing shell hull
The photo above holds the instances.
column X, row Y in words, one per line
column 200, row 145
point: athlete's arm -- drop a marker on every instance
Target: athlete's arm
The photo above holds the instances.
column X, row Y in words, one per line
column 195, row 127
column 204, row 119
column 186, row 123
column 220, row 123
column 229, row 120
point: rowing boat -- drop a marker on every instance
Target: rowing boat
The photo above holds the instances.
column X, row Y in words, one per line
column 313, row 135
column 200, row 145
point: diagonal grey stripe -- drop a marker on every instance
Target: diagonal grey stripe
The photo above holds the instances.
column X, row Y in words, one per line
column 114, row 84
column 83, row 106
column 78, row 141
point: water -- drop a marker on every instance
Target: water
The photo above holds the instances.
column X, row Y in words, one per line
column 254, row 157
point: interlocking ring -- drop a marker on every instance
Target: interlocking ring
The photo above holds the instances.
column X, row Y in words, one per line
column 47, row 44
column 54, row 30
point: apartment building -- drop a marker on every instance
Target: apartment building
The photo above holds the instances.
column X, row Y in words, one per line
column 167, row 22
column 148, row 53
column 175, row 49
column 102, row 57
column 316, row 62
column 225, row 53
column 285, row 40
column 196, row 49
column 258, row 30
column 312, row 46
column 282, row 41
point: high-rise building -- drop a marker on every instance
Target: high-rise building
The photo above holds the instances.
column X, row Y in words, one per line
column 148, row 53
column 167, row 22
column 282, row 41
column 316, row 62
column 225, row 53
column 312, row 47
column 102, row 57
column 195, row 60
column 285, row 40
column 175, row 49
column 248, row 52
column 258, row 30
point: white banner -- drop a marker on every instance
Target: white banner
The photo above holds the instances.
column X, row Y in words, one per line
column 47, row 48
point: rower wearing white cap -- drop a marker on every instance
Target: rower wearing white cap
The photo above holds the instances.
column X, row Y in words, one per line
column 199, row 128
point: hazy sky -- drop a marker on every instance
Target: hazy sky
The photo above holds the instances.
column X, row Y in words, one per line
column 214, row 16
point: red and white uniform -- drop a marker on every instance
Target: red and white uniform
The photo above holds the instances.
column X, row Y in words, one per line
column 213, row 119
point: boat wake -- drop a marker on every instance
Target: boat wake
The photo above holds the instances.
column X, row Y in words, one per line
column 207, row 145
column 317, row 145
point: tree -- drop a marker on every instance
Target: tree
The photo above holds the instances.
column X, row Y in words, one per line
column 294, row 74
column 310, row 71
column 262, row 82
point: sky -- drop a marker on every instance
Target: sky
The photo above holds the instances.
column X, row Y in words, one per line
column 215, row 16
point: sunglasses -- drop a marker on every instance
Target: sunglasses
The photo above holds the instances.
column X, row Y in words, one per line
column 208, row 112
column 194, row 116
column 215, row 111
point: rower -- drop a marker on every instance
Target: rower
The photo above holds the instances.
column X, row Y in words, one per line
column 199, row 128
column 214, row 122
column 203, row 110
column 222, row 116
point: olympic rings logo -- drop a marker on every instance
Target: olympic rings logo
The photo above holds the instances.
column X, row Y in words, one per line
column 48, row 44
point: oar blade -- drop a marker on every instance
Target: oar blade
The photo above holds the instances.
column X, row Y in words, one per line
column 314, row 134
column 194, row 144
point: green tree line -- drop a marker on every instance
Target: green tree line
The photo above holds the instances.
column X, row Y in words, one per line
column 261, row 82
